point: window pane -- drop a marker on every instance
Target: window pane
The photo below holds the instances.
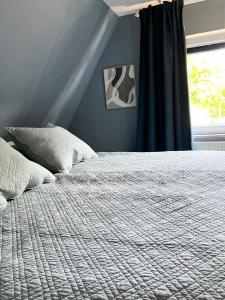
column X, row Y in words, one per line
column 206, row 74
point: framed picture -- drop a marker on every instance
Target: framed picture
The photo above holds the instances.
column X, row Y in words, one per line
column 120, row 87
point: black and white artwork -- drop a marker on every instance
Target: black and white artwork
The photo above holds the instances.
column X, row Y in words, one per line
column 120, row 87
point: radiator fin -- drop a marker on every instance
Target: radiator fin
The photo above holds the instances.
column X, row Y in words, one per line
column 211, row 146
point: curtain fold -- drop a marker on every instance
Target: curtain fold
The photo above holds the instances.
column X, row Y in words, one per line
column 164, row 119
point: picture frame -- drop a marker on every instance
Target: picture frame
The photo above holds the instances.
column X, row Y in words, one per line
column 120, row 88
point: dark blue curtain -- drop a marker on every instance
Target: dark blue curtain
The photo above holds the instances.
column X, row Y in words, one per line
column 164, row 120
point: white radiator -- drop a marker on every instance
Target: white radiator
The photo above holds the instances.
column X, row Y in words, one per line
column 211, row 145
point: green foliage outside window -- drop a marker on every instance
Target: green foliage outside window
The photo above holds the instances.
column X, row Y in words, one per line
column 206, row 74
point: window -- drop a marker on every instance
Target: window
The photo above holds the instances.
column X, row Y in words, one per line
column 206, row 75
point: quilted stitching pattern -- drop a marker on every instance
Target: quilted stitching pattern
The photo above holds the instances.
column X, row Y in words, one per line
column 3, row 203
column 53, row 147
column 123, row 226
column 18, row 174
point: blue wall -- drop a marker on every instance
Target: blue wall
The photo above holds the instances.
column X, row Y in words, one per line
column 52, row 56
column 49, row 50
column 110, row 130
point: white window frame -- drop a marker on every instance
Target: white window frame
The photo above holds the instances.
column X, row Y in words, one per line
column 199, row 43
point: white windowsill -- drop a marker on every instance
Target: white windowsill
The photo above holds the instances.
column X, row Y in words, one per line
column 208, row 130
column 211, row 133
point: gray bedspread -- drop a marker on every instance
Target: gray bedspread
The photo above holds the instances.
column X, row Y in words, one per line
column 122, row 226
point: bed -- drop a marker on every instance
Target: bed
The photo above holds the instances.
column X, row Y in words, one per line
column 121, row 226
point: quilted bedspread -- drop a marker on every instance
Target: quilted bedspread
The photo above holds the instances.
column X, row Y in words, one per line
column 122, row 226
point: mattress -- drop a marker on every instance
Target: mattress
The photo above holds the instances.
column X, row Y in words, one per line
column 122, row 226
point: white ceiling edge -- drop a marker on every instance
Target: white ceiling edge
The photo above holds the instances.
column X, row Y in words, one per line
column 128, row 7
column 205, row 38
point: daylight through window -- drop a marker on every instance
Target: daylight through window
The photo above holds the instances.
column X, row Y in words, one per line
column 206, row 74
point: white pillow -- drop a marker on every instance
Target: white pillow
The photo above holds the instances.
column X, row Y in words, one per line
column 18, row 174
column 53, row 147
column 3, row 203
column 12, row 144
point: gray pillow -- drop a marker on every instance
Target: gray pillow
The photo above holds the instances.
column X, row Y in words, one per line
column 53, row 147
column 18, row 174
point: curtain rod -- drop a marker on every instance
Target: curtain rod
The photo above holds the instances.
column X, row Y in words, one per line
column 160, row 2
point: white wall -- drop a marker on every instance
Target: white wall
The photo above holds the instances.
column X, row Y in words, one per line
column 204, row 16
